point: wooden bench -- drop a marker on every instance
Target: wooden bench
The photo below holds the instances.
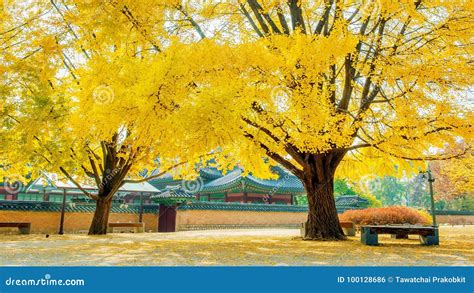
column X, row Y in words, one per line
column 137, row 227
column 428, row 235
column 24, row 228
column 348, row 228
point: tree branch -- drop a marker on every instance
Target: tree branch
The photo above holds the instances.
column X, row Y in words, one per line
column 192, row 21
column 94, row 197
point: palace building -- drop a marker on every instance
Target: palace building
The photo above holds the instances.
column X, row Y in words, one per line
column 212, row 201
column 213, row 186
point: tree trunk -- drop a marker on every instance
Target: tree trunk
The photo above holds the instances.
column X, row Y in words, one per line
column 100, row 220
column 323, row 222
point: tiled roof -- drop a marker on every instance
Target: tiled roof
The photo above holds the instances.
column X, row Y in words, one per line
column 51, row 183
column 213, row 181
column 351, row 200
column 172, row 195
column 235, row 180
column 210, row 173
column 162, row 182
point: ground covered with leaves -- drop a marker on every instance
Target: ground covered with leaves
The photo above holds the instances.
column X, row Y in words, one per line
column 232, row 248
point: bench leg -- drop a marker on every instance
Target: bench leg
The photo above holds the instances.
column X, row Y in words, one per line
column 349, row 231
column 368, row 238
column 430, row 240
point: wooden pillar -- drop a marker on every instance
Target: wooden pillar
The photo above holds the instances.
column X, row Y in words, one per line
column 244, row 190
column 140, row 215
column 45, row 195
column 292, row 199
column 63, row 210
column 270, row 199
column 226, row 199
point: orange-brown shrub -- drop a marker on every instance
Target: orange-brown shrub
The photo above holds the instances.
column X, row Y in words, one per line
column 383, row 216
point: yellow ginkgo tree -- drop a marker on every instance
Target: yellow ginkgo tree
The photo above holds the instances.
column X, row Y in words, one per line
column 91, row 91
column 352, row 87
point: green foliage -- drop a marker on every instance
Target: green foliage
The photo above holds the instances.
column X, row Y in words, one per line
column 462, row 203
column 341, row 187
column 373, row 201
column 301, row 200
column 388, row 189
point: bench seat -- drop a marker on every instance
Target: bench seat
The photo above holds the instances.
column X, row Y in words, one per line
column 23, row 227
column 428, row 235
column 137, row 227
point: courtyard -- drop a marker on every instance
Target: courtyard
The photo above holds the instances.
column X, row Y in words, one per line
column 262, row 247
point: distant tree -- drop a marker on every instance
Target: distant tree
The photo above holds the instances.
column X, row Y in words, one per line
column 342, row 187
column 454, row 180
column 388, row 189
column 417, row 193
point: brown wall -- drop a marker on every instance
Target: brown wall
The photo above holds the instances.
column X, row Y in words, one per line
column 455, row 219
column 48, row 222
column 215, row 217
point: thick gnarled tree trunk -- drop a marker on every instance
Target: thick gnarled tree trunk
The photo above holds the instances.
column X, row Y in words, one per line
column 318, row 180
column 100, row 220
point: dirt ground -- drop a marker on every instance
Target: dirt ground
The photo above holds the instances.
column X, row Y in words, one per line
column 269, row 247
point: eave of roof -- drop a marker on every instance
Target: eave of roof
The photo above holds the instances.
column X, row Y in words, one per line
column 235, row 180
